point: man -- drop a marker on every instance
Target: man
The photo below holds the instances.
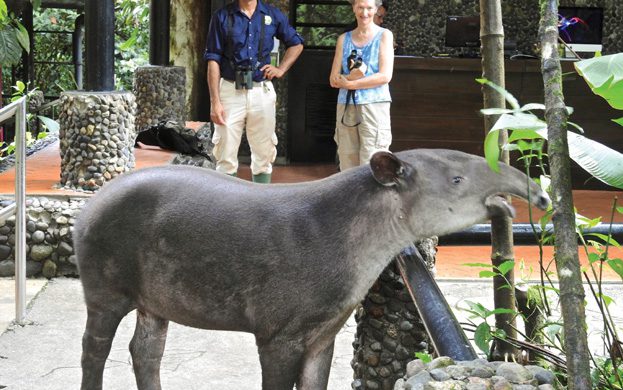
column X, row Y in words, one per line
column 381, row 11
column 240, row 40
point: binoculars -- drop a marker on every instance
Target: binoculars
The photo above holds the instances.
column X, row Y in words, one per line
column 244, row 77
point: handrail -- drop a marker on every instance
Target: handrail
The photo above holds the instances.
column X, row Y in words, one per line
column 18, row 109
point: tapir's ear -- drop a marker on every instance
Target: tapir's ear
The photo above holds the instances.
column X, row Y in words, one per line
column 386, row 168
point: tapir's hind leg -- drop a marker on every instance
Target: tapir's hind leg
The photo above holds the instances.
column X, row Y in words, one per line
column 281, row 363
column 316, row 367
column 97, row 339
column 147, row 347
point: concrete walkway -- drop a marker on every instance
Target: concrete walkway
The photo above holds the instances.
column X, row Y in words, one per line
column 45, row 353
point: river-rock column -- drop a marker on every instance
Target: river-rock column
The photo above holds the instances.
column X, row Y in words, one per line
column 97, row 136
column 160, row 95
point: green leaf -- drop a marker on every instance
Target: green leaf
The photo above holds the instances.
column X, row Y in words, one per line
column 52, row 125
column 506, row 266
column 481, row 264
column 618, row 121
column 604, row 239
column 424, row 357
column 482, row 337
column 507, row 95
column 607, row 299
column 519, row 121
column 496, row 111
column 130, row 42
column 10, row 50
column 502, row 311
column 22, row 37
column 604, row 163
column 492, row 150
column 605, row 77
column 477, row 309
column 523, row 134
column 487, row 274
column 617, row 266
column 3, row 11
column 593, row 257
column 533, row 106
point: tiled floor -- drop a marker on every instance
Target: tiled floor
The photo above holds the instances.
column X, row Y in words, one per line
column 43, row 170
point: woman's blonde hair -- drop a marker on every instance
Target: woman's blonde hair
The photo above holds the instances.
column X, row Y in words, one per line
column 377, row 3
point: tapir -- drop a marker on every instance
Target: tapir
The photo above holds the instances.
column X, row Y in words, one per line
column 285, row 262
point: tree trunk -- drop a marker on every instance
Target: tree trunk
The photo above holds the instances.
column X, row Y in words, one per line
column 566, row 248
column 492, row 37
column 189, row 28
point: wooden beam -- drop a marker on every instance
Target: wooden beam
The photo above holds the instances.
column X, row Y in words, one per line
column 67, row 4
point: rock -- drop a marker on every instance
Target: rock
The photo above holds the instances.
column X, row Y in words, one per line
column 40, row 252
column 440, row 362
column 7, row 268
column 49, row 269
column 440, row 375
column 446, row 385
column 64, row 249
column 514, row 372
column 5, row 251
column 542, row 375
column 414, row 367
column 418, row 380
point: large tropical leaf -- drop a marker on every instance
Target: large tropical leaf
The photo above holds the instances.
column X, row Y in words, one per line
column 10, row 50
column 605, row 77
column 603, row 163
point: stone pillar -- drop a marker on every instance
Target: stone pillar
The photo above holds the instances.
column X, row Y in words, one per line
column 160, row 95
column 96, row 137
column 389, row 329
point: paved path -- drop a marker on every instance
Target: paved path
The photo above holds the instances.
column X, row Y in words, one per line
column 45, row 354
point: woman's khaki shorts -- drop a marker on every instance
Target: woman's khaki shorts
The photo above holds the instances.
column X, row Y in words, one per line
column 357, row 144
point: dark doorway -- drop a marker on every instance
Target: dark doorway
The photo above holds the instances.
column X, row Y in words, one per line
column 311, row 101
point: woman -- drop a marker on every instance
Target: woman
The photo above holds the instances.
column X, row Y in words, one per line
column 362, row 68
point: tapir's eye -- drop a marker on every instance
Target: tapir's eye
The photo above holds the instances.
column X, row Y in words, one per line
column 457, row 179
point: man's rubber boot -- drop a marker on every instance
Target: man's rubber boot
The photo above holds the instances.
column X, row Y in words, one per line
column 262, row 178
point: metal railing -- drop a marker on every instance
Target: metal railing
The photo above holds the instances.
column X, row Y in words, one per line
column 18, row 109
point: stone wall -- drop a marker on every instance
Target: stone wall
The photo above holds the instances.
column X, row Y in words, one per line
column 49, row 245
column 420, row 24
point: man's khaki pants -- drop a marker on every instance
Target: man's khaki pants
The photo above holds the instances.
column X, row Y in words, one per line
column 255, row 110
column 357, row 144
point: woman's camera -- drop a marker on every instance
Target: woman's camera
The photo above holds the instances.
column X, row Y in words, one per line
column 353, row 60
column 356, row 66
column 244, row 77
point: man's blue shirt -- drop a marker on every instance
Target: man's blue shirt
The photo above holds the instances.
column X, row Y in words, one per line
column 245, row 37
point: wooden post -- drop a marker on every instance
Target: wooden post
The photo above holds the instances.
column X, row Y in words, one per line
column 100, row 45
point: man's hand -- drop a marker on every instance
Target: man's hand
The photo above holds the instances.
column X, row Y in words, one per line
column 271, row 72
column 217, row 113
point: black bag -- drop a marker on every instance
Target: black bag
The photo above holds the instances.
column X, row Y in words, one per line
column 167, row 137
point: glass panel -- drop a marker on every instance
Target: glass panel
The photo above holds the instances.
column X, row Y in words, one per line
column 324, row 13
column 320, row 36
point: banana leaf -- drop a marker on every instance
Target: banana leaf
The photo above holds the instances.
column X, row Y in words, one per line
column 10, row 49
column 605, row 77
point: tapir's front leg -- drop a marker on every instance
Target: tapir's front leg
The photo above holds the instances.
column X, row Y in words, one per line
column 281, row 363
column 315, row 371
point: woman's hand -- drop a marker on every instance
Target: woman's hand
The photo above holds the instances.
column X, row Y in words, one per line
column 342, row 82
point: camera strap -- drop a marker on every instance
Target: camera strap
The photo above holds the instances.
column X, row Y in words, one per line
column 350, row 96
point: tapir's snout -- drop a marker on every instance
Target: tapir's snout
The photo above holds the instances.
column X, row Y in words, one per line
column 542, row 201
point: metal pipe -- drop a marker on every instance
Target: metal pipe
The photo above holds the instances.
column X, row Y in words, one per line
column 159, row 32
column 20, row 212
column 523, row 234
column 441, row 325
column 99, row 18
column 76, row 45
